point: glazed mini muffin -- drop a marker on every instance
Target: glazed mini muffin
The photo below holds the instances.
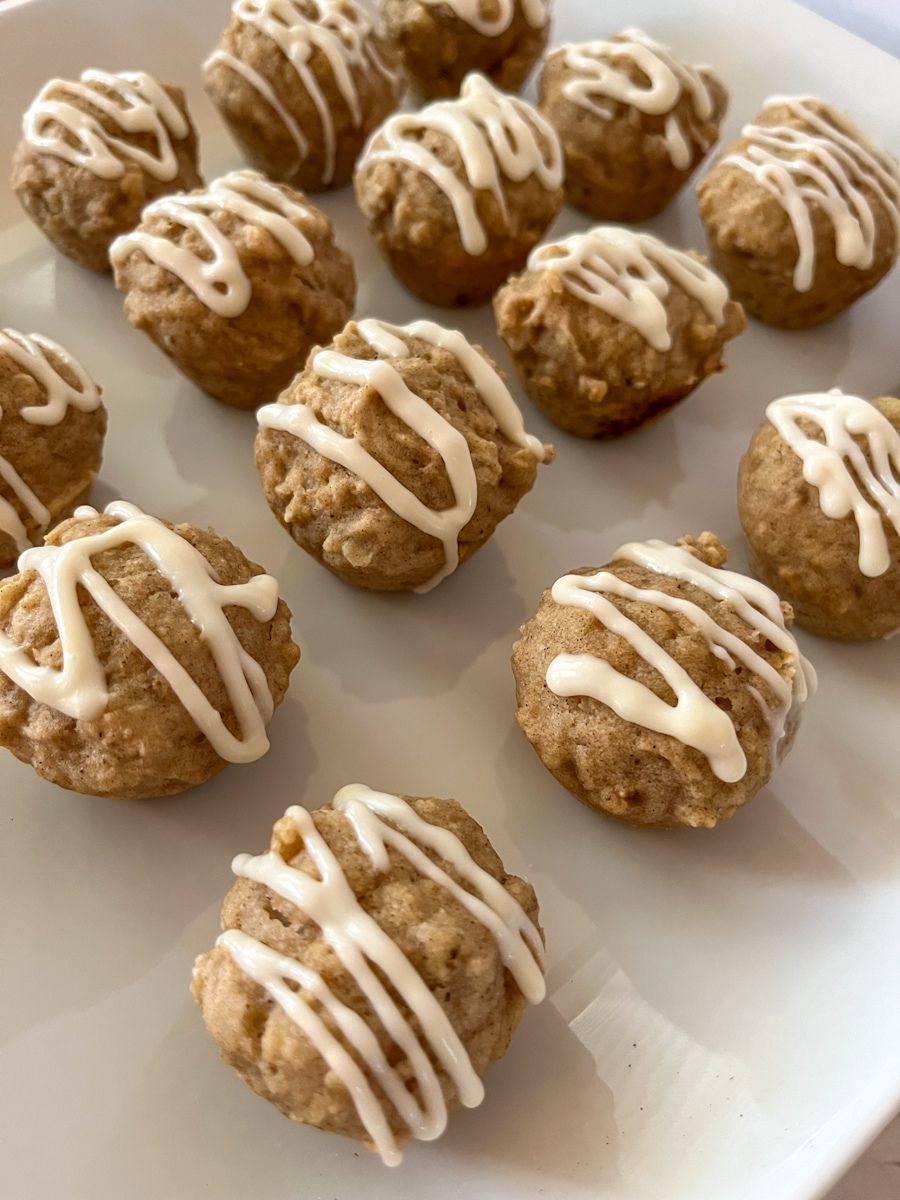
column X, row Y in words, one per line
column 137, row 658
column 52, row 426
column 802, row 213
column 610, row 328
column 819, row 499
column 395, row 454
column 634, row 122
column 372, row 887
column 301, row 84
column 456, row 195
column 94, row 151
column 235, row 284
column 440, row 41
column 661, row 689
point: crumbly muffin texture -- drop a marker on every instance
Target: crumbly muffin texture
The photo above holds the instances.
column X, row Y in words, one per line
column 82, row 213
column 314, row 137
column 247, row 359
column 595, row 375
column 811, row 559
column 145, row 744
column 438, row 47
column 338, row 518
column 623, row 769
column 619, row 166
column 753, row 241
column 455, row 955
column 58, row 462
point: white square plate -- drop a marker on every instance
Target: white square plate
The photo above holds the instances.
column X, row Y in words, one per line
column 723, row 1012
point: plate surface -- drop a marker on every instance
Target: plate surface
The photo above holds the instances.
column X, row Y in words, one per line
column 722, row 1020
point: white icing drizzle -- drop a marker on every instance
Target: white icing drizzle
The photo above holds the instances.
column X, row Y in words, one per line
column 629, row 276
column 79, row 689
column 496, row 135
column 535, row 12
column 138, row 105
column 340, row 30
column 600, row 84
column 32, row 352
column 827, row 464
column 218, row 278
column 822, row 167
column 695, row 720
column 380, row 821
column 378, row 373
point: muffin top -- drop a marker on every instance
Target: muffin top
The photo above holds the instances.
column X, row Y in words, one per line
column 633, row 71
column 499, row 15
column 103, row 121
column 829, row 179
column 475, row 143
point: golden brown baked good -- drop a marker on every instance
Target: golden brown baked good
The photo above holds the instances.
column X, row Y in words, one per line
column 138, row 657
column 94, row 151
column 241, row 328
column 457, row 194
column 372, row 888
column 819, row 500
column 633, row 119
column 802, row 213
column 661, row 689
column 52, row 426
column 440, row 41
column 394, row 454
column 301, row 84
column 609, row 328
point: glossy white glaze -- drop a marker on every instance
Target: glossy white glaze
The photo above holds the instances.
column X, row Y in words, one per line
column 818, row 166
column 629, row 275
column 535, row 12
column 388, row 342
column 383, row 822
column 600, row 81
column 695, row 719
column 849, row 479
column 59, row 123
column 79, row 688
column 498, row 136
column 217, row 277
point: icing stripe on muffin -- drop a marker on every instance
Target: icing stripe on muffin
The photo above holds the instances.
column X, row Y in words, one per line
column 822, row 167
column 33, row 353
column 139, row 106
column 339, row 30
column 219, row 280
column 381, row 821
column 495, row 134
column 535, row 12
column 378, row 373
column 841, row 470
column 629, row 276
column 79, row 688
column 599, row 84
column 695, row 719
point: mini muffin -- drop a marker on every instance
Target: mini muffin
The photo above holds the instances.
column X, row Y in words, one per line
column 610, row 328
column 235, row 284
column 456, row 195
column 661, row 689
column 301, row 84
column 52, row 426
column 440, row 41
column 634, row 122
column 94, row 151
column 819, row 500
column 137, row 658
column 802, row 213
column 371, row 888
column 395, row 454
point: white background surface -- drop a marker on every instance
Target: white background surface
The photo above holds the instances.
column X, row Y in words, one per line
column 723, row 1014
